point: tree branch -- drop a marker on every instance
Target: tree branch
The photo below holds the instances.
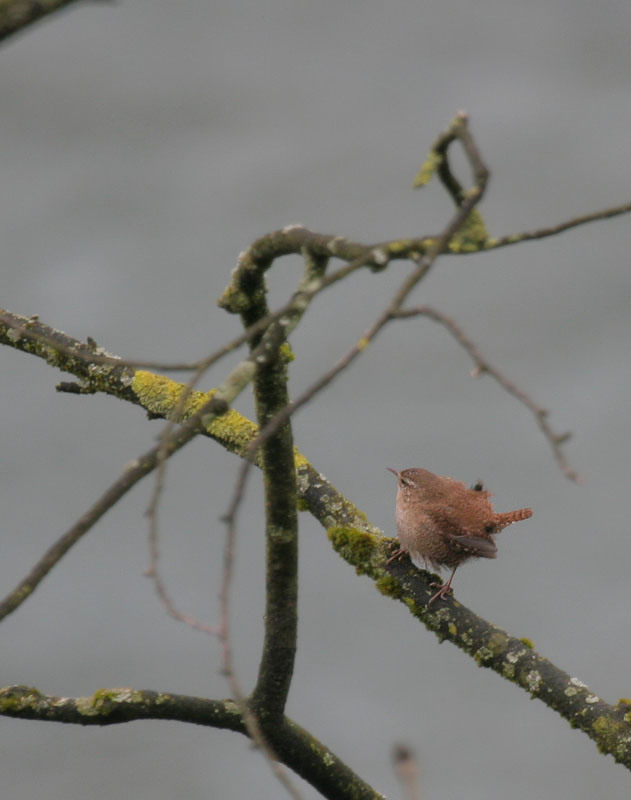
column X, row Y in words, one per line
column 553, row 230
column 294, row 746
column 483, row 367
column 18, row 14
column 131, row 475
column 514, row 659
column 279, row 470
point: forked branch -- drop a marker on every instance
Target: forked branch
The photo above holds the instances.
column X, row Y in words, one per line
column 289, row 478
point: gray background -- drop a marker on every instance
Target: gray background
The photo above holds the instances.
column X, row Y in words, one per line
column 145, row 144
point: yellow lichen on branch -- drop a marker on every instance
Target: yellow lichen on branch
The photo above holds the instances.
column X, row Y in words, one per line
column 162, row 396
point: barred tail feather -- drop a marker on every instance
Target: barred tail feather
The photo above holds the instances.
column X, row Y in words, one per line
column 508, row 517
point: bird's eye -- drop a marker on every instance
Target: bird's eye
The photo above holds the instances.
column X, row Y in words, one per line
column 478, row 486
column 489, row 528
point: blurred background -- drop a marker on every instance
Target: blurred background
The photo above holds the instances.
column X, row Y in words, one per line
column 145, row 144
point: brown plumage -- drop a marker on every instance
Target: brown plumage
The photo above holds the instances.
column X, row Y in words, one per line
column 444, row 523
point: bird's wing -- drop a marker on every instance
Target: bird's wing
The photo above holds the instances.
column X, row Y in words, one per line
column 470, row 539
column 476, row 546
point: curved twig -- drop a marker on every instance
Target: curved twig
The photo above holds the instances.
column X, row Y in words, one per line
column 483, row 367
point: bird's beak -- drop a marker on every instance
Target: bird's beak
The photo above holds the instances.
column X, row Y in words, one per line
column 393, row 471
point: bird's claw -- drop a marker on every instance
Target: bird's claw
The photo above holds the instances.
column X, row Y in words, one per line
column 397, row 553
column 444, row 590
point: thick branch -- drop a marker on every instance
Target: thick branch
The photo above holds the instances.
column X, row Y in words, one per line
column 514, row 659
column 281, row 536
column 114, row 706
column 281, row 520
column 18, row 14
column 294, row 746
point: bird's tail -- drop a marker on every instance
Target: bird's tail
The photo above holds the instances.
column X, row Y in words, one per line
column 508, row 517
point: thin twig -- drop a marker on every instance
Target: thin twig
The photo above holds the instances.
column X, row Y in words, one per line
column 89, row 353
column 553, row 230
column 482, row 366
column 133, row 473
column 292, row 240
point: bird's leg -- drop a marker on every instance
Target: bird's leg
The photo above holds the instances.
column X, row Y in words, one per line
column 445, row 589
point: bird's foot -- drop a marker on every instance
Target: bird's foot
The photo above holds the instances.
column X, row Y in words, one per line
column 399, row 552
column 444, row 590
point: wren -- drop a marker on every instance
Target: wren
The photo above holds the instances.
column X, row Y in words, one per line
column 444, row 523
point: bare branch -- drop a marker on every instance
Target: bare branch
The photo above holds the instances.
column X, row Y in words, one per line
column 514, row 659
column 553, row 230
column 133, row 473
column 297, row 748
column 266, row 705
column 204, row 413
column 483, row 367
column 467, row 202
column 18, row 14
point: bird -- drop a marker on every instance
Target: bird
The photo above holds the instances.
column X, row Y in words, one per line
column 444, row 523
